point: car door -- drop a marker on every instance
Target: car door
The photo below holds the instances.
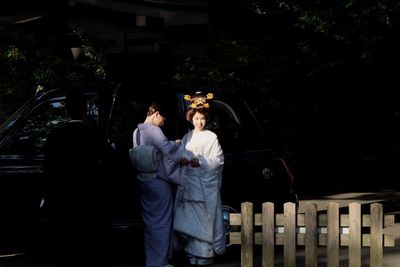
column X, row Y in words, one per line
column 22, row 154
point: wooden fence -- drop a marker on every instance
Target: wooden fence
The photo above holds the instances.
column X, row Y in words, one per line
column 311, row 229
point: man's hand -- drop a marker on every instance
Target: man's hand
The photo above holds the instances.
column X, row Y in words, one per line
column 184, row 161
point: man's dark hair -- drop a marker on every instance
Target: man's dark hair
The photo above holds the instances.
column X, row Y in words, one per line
column 154, row 107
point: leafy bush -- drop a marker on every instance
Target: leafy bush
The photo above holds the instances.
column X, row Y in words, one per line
column 31, row 59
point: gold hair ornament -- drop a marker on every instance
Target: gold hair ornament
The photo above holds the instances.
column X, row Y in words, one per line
column 199, row 101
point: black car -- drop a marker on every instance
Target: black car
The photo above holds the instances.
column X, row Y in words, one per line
column 252, row 172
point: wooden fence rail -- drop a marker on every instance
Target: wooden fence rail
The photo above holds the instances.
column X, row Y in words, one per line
column 311, row 230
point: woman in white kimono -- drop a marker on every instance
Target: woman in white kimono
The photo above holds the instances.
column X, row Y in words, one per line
column 198, row 222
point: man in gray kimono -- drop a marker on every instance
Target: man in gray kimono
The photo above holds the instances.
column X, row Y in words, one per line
column 157, row 189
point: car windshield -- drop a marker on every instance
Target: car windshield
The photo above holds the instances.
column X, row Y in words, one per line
column 7, row 124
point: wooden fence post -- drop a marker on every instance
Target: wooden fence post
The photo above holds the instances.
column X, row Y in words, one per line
column 311, row 239
column 376, row 249
column 247, row 234
column 268, row 234
column 289, row 239
column 332, row 246
column 354, row 235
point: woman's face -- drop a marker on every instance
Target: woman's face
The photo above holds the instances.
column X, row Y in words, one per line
column 199, row 121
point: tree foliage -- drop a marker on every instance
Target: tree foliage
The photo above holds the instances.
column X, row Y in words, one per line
column 264, row 35
column 30, row 58
column 309, row 68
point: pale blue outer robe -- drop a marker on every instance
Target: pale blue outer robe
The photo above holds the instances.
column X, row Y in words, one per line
column 157, row 196
column 198, row 210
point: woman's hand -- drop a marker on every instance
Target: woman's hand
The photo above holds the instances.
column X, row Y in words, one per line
column 194, row 162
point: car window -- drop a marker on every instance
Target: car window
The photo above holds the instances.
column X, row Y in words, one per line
column 225, row 123
column 249, row 134
column 31, row 133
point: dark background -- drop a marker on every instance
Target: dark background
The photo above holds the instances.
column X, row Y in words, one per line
column 321, row 77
